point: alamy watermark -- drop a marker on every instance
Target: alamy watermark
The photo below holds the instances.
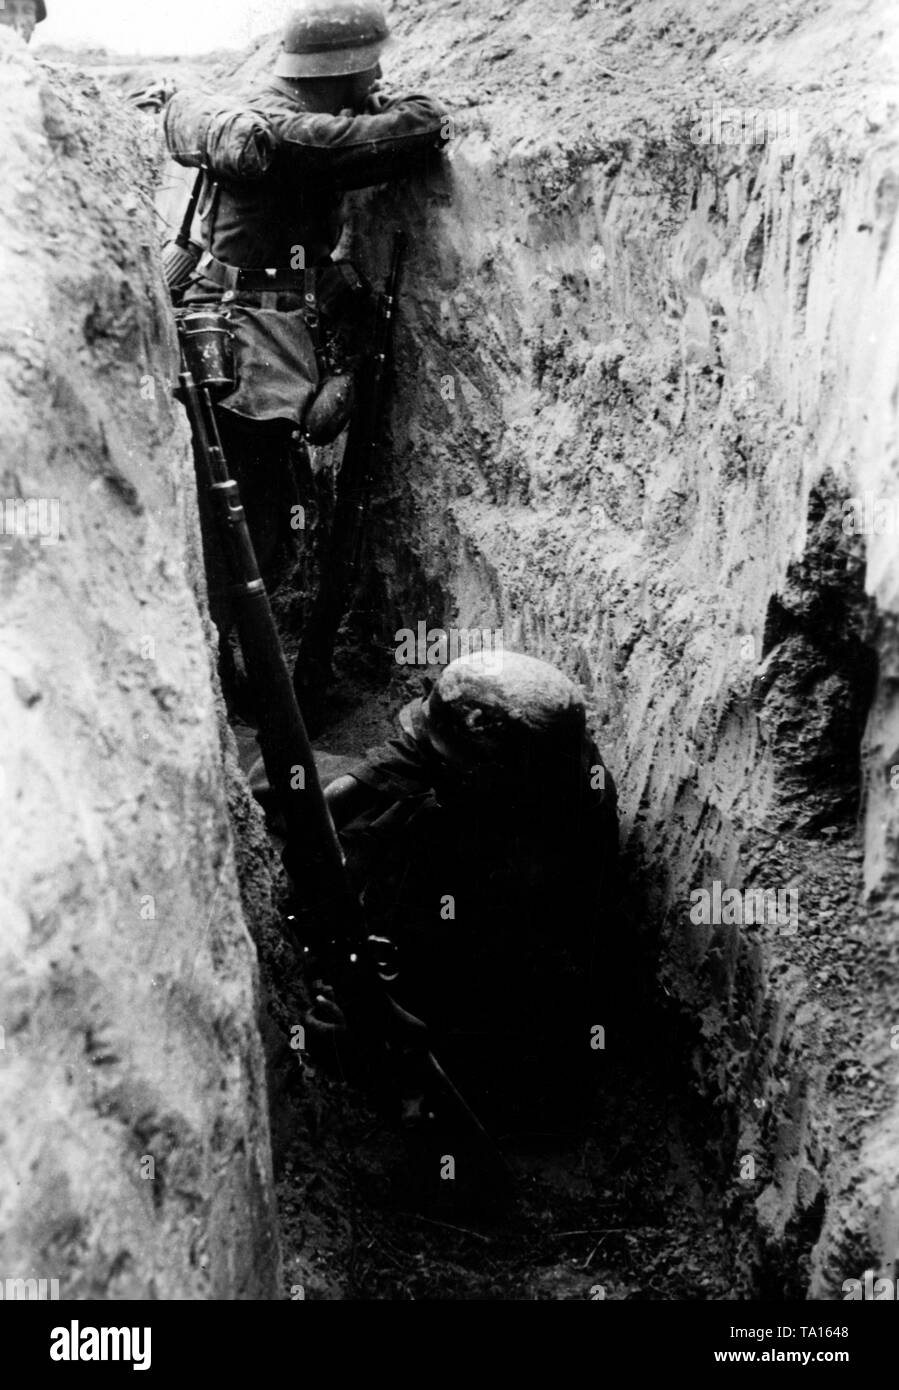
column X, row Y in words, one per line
column 743, row 125
column 29, row 1290
column 870, row 1289
column 437, row 646
column 720, row 906
column 30, row 518
column 870, row 515
column 79, row 1343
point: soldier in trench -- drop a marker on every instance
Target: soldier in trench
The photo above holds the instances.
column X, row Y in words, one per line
column 484, row 840
column 279, row 160
column 22, row 15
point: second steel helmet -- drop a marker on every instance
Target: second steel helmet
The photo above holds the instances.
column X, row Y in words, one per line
column 505, row 708
column 332, row 38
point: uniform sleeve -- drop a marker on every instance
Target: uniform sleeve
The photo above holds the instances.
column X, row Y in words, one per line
column 232, row 142
column 394, row 769
column 355, row 151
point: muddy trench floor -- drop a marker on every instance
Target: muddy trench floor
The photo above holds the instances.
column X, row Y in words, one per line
column 619, row 1209
column 612, row 1198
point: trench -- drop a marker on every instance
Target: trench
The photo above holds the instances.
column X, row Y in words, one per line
column 595, row 446
column 626, row 1190
column 616, row 1187
column 605, row 440
column 638, row 377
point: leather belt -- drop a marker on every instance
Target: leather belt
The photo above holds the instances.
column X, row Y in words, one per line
column 250, row 280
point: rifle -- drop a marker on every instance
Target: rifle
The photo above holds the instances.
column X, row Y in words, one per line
column 313, row 665
column 313, row 857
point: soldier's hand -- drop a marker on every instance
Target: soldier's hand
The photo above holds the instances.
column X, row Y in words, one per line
column 326, row 1016
column 376, row 102
column 154, row 96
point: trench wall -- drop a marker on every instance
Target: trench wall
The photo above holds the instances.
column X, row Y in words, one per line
column 134, row 1141
column 640, row 370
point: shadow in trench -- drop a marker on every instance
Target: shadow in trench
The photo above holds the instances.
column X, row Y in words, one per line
column 615, row 1194
column 617, row 1185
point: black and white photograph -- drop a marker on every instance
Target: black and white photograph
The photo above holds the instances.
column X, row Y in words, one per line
column 449, row 667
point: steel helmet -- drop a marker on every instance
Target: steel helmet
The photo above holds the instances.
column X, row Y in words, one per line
column 505, row 707
column 332, row 38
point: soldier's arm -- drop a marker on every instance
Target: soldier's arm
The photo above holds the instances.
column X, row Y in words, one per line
column 355, row 151
column 232, row 142
column 391, row 772
column 347, row 798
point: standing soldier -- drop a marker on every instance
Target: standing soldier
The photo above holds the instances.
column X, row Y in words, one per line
column 278, row 160
column 22, row 15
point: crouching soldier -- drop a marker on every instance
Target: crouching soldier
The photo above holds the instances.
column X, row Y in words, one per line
column 484, row 839
column 278, row 160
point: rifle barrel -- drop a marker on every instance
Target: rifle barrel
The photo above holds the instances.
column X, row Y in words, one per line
column 313, row 857
column 283, row 739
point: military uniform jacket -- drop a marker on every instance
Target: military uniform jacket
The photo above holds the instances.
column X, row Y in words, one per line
column 282, row 169
column 528, row 876
column 280, row 172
